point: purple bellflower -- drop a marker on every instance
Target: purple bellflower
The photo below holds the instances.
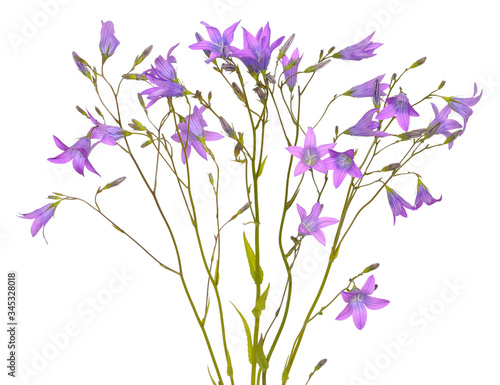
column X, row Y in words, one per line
column 310, row 155
column 462, row 106
column 195, row 124
column 357, row 302
column 397, row 204
column 312, row 224
column 372, row 88
column 400, row 107
column 41, row 216
column 79, row 64
column 109, row 42
column 257, row 50
column 342, row 163
column 445, row 124
column 105, row 134
column 164, row 78
column 220, row 45
column 78, row 153
column 291, row 73
column 366, row 126
column 424, row 196
column 362, row 50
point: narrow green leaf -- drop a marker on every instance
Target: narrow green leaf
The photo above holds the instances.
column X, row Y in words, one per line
column 292, row 199
column 255, row 270
column 261, row 167
column 261, row 303
column 248, row 333
column 210, row 374
column 261, row 357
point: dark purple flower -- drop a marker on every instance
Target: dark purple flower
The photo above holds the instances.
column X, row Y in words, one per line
column 164, row 78
column 310, row 155
column 105, row 134
column 424, row 196
column 257, row 50
column 357, row 302
column 462, row 106
column 372, row 88
column 342, row 163
column 362, row 50
column 79, row 64
column 400, row 107
column 312, row 224
column 108, row 41
column 78, row 153
column 195, row 125
column 445, row 124
column 366, row 126
column 220, row 45
column 41, row 216
column 397, row 203
column 291, row 73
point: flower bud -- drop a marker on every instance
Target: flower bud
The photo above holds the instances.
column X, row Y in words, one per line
column 245, row 207
column 238, row 92
column 419, row 62
column 200, row 38
column 81, row 111
column 453, row 136
column 270, row 78
column 237, row 149
column 211, row 178
column 260, row 94
column 391, row 167
column 441, row 85
column 317, row 66
column 115, row 183
column 139, row 59
column 412, row 134
column 286, row 46
column 141, row 100
column 134, row 76
column 227, row 128
column 372, row 267
column 431, row 131
column 320, row 364
column 228, row 67
column 393, row 77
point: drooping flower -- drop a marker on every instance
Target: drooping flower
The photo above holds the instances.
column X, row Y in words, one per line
column 462, row 106
column 445, row 124
column 400, row 107
column 80, row 64
column 257, row 50
column 78, row 153
column 362, row 50
column 342, row 163
column 164, row 78
column 357, row 302
column 109, row 42
column 424, row 196
column 312, row 224
column 195, row 125
column 366, row 126
column 220, row 45
column 397, row 203
column 372, row 88
column 291, row 73
column 105, row 134
column 41, row 216
column 310, row 155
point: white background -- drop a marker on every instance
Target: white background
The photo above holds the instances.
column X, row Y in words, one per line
column 145, row 332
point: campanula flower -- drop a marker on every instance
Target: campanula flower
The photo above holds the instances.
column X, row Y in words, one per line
column 105, row 134
column 291, row 73
column 109, row 42
column 397, row 203
column 462, row 106
column 342, row 163
column 445, row 124
column 400, row 107
column 164, row 77
column 257, row 50
column 41, row 216
column 366, row 126
column 424, row 196
column 362, row 50
column 195, row 125
column 220, row 45
column 357, row 302
column 80, row 65
column 310, row 155
column 312, row 224
column 78, row 153
column 372, row 89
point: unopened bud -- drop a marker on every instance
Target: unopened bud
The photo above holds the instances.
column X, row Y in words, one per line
column 211, row 178
column 237, row 149
column 245, row 207
column 228, row 67
column 81, row 111
column 419, row 62
column 320, row 364
column 136, row 125
column 270, row 78
column 227, row 128
column 284, row 48
column 331, row 50
column 260, row 94
column 432, row 130
column 393, row 77
column 317, row 66
column 200, row 38
column 412, row 134
column 391, row 167
column 453, row 136
column 134, row 76
column 139, row 59
column 441, row 85
column 238, row 92
column 141, row 100
column 372, row 267
column 115, row 183
column 291, row 64
column 99, row 112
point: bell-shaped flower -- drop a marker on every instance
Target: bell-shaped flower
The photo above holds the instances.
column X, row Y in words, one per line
column 445, row 124
column 220, row 45
column 310, row 155
column 397, row 204
column 291, row 73
column 342, row 163
column 41, row 216
column 462, row 106
column 398, row 106
column 103, row 133
column 312, row 224
column 357, row 302
column 194, row 125
column 78, row 153
column 372, row 89
column 362, row 50
column 366, row 126
column 424, row 196
column 109, row 42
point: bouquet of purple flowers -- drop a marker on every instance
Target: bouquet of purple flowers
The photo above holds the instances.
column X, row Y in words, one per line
column 265, row 81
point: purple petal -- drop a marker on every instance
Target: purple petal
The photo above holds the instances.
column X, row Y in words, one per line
column 319, row 236
column 301, row 168
column 310, row 140
column 373, row 303
column 296, row 151
column 338, row 177
column 302, row 211
column 369, row 286
column 358, row 314
column 344, row 314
